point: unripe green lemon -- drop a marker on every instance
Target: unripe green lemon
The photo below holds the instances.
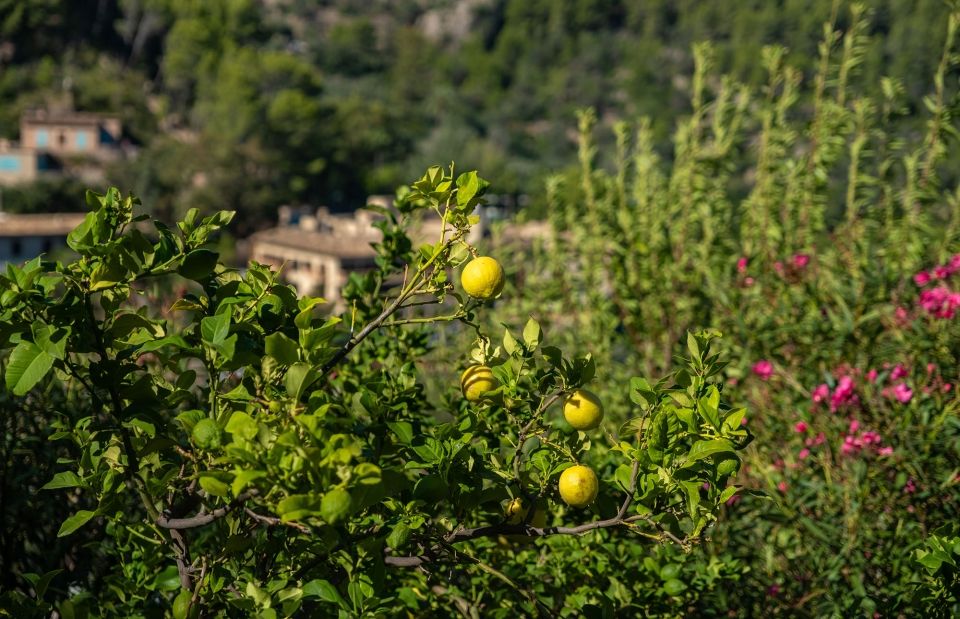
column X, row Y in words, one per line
column 583, row 410
column 670, row 571
column 182, row 608
column 674, row 586
column 206, row 434
column 578, row 486
column 728, row 466
column 477, row 380
column 482, row 278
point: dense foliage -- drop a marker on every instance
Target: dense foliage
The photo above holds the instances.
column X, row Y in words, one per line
column 245, row 105
column 220, row 444
column 234, row 452
column 830, row 264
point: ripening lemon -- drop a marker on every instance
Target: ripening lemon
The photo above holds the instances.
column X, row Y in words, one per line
column 517, row 513
column 482, row 278
column 583, row 410
column 477, row 380
column 578, row 486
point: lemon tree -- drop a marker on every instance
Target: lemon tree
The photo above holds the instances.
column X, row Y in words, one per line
column 229, row 448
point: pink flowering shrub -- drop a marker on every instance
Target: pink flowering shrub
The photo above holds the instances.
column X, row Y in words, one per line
column 762, row 369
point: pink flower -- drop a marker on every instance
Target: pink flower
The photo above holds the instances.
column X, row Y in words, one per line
column 885, row 451
column 872, row 376
column 773, row 590
column 804, row 454
column 743, row 421
column 903, row 393
column 801, row 260
column 910, row 487
column 778, row 267
column 898, row 372
column 821, row 393
column 782, row 487
column 854, row 426
column 748, row 281
column 931, row 368
column 733, row 500
column 939, row 302
column 954, row 264
column 921, row 279
column 901, row 316
column 870, row 438
column 763, row 369
column 800, row 427
column 947, row 387
column 941, row 272
column 742, row 265
column 844, row 395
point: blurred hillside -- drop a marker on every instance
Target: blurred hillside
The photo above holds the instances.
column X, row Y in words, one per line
column 248, row 105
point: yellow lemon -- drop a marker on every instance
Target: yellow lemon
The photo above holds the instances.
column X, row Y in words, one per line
column 482, row 278
column 583, row 410
column 477, row 380
column 517, row 513
column 578, row 486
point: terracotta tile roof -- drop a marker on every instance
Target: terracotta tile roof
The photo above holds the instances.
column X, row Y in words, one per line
column 63, row 118
column 45, row 224
column 317, row 242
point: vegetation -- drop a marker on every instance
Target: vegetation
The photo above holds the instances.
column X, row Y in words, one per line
column 483, row 432
column 247, row 105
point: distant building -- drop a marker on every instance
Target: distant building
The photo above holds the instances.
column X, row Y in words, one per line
column 318, row 250
column 70, row 133
column 24, row 237
column 52, row 141
column 22, row 165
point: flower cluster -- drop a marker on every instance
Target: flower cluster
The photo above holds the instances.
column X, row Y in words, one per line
column 843, row 396
column 939, row 301
column 855, row 442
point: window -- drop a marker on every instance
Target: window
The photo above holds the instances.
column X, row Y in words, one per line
column 81, row 140
column 9, row 163
column 42, row 138
column 62, row 139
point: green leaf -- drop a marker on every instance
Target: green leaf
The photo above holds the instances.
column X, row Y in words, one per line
column 243, row 479
column 335, row 505
column 243, row 425
column 26, row 367
column 509, row 342
column 214, row 486
column 214, row 329
column 403, row 430
column 74, row 522
column 41, row 583
column 198, row 264
column 64, row 479
column 298, row 378
column 705, row 449
column 324, row 590
column 298, row 506
column 532, row 334
column 282, row 348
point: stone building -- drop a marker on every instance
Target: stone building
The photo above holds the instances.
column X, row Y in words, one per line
column 70, row 133
column 57, row 141
column 24, row 237
column 318, row 250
